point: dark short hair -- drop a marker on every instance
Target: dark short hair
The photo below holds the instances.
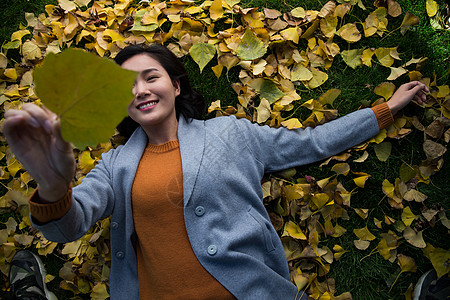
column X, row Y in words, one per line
column 188, row 103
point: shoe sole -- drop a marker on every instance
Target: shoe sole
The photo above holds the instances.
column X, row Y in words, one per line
column 48, row 294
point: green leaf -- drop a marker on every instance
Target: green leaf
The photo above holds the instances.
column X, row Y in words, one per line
column 11, row 45
column 383, row 150
column 352, row 57
column 202, row 53
column 267, row 89
column 89, row 94
column 250, row 47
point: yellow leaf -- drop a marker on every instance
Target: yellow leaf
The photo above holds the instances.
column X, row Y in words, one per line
column 18, row 35
column 408, row 21
column 86, row 161
column 362, row 212
column 216, row 11
column 294, row 231
column 320, row 199
column 290, row 34
column 11, row 225
column 298, row 12
column 377, row 223
column 31, row 51
column 292, row 123
column 384, row 56
column 414, row 195
column 99, row 292
column 263, row 111
column 11, row 73
column 396, row 73
column 407, row 216
column 350, row 33
column 385, row 90
column 439, row 258
column 444, row 90
column 361, row 181
column 328, row 25
column 414, row 238
column 406, row 263
column 300, row 72
column 217, row 70
column 432, row 8
column 318, row 78
column 341, row 169
column 364, row 234
column 338, row 231
column 338, row 251
column 67, row 5
column 329, row 96
column 361, row 245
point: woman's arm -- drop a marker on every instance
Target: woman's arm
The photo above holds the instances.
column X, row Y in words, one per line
column 279, row 148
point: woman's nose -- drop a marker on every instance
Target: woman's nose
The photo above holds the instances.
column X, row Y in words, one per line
column 140, row 90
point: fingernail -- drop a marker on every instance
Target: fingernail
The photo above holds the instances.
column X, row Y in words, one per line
column 48, row 126
column 33, row 122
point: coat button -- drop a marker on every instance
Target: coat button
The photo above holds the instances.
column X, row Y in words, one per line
column 199, row 211
column 212, row 249
column 114, row 225
column 120, row 254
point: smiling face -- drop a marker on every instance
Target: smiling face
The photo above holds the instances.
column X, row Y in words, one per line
column 153, row 106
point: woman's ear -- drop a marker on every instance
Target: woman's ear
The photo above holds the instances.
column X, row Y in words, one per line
column 177, row 86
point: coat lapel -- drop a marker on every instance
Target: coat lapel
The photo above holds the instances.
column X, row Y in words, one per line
column 191, row 138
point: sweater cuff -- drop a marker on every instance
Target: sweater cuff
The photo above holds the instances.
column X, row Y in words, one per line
column 383, row 115
column 46, row 212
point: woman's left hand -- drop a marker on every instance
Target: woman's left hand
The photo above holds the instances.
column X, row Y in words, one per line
column 407, row 92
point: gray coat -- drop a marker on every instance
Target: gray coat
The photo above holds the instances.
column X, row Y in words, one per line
column 223, row 161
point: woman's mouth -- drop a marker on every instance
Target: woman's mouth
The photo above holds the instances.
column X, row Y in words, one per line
column 146, row 105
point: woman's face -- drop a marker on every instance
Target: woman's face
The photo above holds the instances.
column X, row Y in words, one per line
column 154, row 93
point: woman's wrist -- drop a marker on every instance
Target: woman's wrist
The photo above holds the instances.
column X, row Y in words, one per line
column 49, row 195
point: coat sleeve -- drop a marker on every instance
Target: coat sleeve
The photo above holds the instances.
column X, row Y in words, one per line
column 280, row 148
column 92, row 200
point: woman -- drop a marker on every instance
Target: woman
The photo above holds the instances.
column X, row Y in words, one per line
column 188, row 221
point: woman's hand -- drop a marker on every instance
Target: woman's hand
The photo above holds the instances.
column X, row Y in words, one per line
column 34, row 135
column 407, row 92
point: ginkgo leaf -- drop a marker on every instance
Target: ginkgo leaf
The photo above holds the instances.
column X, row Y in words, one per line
column 90, row 98
column 396, row 73
column 67, row 5
column 341, row 169
column 216, row 10
column 414, row 195
column 361, row 245
column 250, row 47
column 364, row 234
column 384, row 56
column 432, row 8
column 294, row 231
column 263, row 111
column 385, row 90
column 352, row 57
column 361, row 180
column 292, row 123
column 99, row 292
column 350, row 33
column 414, row 238
column 406, row 263
column 318, row 78
column 300, row 73
column 408, row 20
column 329, row 96
column 407, row 216
column 267, row 89
column 202, row 53
column 439, row 258
column 383, row 150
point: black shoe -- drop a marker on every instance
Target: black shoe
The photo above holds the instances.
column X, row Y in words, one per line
column 429, row 287
column 27, row 275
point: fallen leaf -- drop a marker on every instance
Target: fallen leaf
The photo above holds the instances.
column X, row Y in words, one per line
column 364, row 234
column 263, row 111
column 250, row 47
column 406, row 263
column 439, row 258
column 352, row 57
column 396, row 73
column 300, row 73
column 383, row 150
column 385, row 90
column 202, row 53
column 414, row 238
column 350, row 33
column 318, row 79
column 407, row 216
column 408, row 20
column 432, row 8
column 433, row 150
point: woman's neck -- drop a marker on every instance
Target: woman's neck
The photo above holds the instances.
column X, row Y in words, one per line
column 162, row 133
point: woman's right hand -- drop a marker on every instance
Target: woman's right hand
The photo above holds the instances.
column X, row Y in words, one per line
column 34, row 135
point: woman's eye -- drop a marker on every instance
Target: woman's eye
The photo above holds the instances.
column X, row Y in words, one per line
column 151, row 78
